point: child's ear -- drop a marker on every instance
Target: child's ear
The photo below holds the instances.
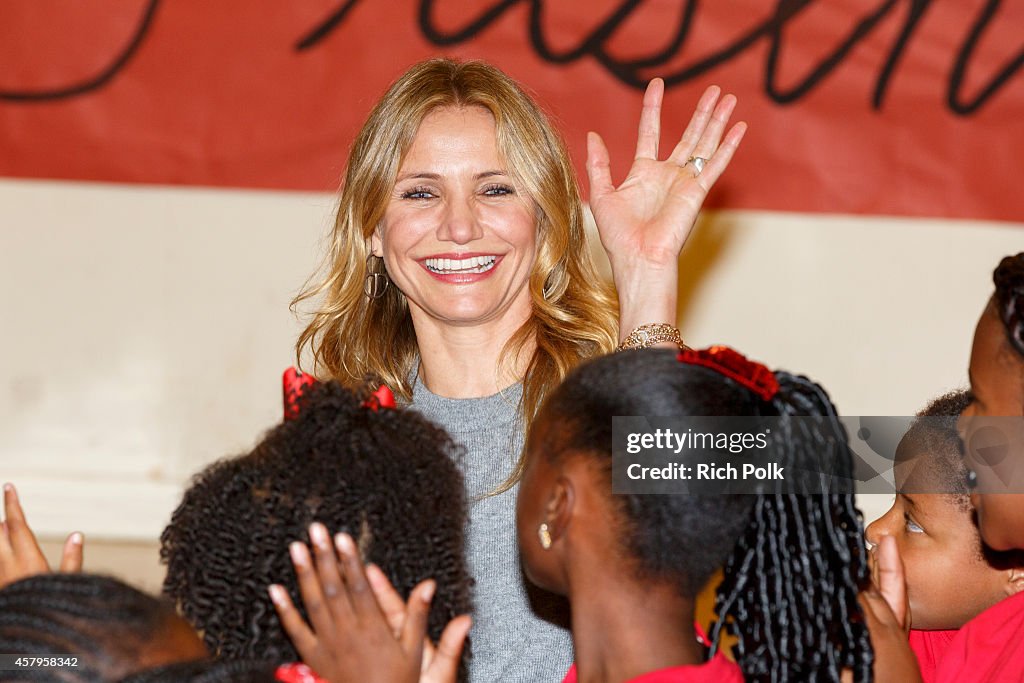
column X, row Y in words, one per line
column 559, row 508
column 1015, row 581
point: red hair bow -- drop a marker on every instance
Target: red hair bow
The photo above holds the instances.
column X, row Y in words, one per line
column 736, row 367
column 382, row 398
column 295, row 384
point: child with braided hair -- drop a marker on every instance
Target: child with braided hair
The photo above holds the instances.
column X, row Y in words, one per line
column 110, row 628
column 632, row 565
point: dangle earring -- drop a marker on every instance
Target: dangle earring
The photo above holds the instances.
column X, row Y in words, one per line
column 544, row 534
column 376, row 281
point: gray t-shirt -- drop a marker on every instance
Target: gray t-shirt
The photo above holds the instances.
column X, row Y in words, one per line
column 510, row 641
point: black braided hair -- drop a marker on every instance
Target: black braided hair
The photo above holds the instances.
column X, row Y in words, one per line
column 207, row 671
column 387, row 477
column 1009, row 298
column 790, row 586
column 104, row 622
column 794, row 564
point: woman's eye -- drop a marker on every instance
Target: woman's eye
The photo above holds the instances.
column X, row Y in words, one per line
column 417, row 193
column 498, row 190
column 912, row 526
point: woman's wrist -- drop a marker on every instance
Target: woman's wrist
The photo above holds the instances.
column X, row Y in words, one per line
column 647, row 294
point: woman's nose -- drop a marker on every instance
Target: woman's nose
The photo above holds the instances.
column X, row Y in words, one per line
column 460, row 223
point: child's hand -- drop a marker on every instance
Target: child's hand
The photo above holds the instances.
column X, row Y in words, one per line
column 20, row 554
column 887, row 613
column 350, row 638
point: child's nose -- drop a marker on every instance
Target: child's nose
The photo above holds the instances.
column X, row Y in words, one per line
column 874, row 532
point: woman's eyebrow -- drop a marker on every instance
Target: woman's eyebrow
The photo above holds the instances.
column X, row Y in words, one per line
column 423, row 175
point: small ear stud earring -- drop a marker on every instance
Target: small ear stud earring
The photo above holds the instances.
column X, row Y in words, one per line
column 544, row 534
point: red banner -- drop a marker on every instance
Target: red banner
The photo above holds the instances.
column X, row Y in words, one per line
column 884, row 107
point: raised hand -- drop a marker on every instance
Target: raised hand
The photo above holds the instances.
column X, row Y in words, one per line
column 644, row 222
column 886, row 610
column 20, row 554
column 349, row 638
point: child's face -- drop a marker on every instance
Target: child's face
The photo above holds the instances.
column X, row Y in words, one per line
column 948, row 579
column 997, row 386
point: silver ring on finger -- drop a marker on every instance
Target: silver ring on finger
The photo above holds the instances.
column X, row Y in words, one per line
column 697, row 163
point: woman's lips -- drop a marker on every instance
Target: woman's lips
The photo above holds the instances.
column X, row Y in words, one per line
column 461, row 268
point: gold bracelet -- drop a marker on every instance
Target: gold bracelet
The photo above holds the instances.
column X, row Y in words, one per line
column 648, row 335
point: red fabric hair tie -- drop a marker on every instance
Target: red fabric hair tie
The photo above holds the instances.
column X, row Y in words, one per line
column 295, row 384
column 382, row 398
column 735, row 366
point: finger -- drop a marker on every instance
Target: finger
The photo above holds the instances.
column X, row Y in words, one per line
column 719, row 161
column 695, row 128
column 892, row 583
column 7, row 564
column 294, row 625
column 23, row 541
column 359, row 592
column 599, row 169
column 309, row 588
column 71, row 557
column 331, row 582
column 415, row 628
column 708, row 142
column 445, row 664
column 649, row 134
column 390, row 602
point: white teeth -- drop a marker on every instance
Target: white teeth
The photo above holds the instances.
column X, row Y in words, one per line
column 473, row 264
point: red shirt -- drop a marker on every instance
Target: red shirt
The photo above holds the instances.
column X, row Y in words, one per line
column 930, row 647
column 989, row 647
column 716, row 670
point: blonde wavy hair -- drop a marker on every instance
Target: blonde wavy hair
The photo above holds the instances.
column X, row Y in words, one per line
column 351, row 336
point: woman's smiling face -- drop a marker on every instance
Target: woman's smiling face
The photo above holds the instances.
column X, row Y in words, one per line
column 459, row 232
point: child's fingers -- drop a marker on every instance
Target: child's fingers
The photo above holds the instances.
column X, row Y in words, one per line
column 311, row 591
column 364, row 604
column 71, row 557
column 415, row 628
column 892, row 583
column 294, row 625
column 7, row 564
column 331, row 583
column 390, row 602
column 445, row 665
column 23, row 542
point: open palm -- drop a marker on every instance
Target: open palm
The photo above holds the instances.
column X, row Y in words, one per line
column 650, row 214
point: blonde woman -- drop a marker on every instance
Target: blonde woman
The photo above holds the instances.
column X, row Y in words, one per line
column 459, row 273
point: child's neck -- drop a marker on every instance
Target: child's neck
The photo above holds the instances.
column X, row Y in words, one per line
column 623, row 630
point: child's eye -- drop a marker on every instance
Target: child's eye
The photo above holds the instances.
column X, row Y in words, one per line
column 418, row 193
column 498, row 190
column 912, row 526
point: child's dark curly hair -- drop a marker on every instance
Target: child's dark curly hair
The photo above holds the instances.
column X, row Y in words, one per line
column 386, row 477
column 1009, row 298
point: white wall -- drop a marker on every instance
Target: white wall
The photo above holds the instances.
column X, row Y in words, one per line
column 145, row 328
